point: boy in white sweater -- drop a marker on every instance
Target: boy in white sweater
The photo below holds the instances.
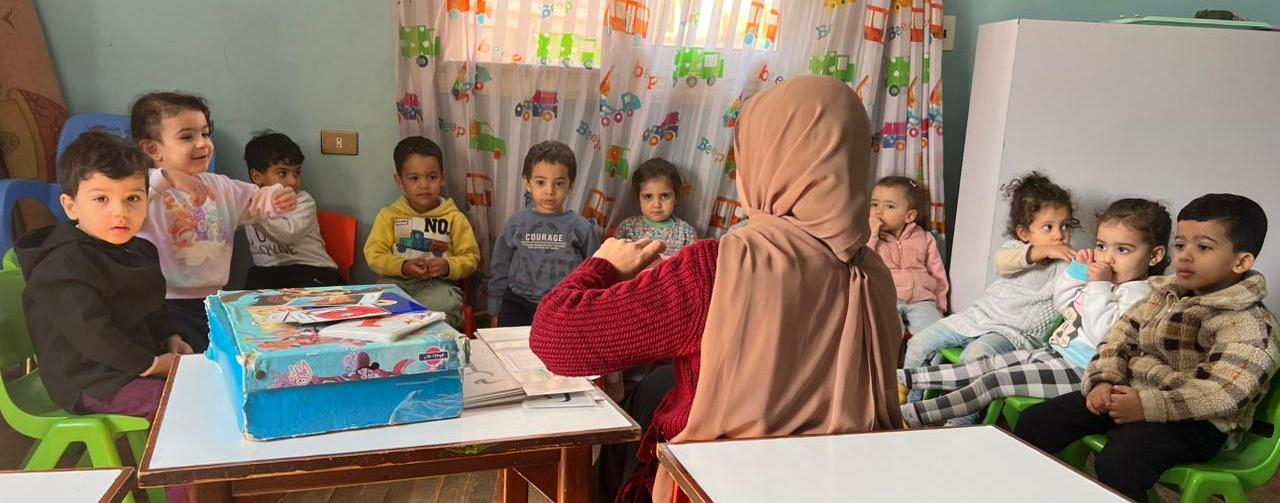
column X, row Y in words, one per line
column 288, row 252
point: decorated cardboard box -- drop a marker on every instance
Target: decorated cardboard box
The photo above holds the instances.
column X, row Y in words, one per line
column 287, row 380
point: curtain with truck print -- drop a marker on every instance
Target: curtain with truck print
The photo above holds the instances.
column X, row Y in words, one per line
column 623, row 81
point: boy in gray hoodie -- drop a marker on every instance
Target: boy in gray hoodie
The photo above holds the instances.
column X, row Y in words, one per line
column 540, row 245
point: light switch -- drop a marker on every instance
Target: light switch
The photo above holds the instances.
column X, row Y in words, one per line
column 948, row 33
column 334, row 141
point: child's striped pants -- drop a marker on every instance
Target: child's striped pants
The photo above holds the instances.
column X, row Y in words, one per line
column 1038, row 373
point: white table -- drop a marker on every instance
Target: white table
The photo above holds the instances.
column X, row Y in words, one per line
column 97, row 485
column 195, row 441
column 981, row 463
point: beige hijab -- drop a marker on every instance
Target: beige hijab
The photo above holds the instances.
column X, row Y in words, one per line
column 802, row 336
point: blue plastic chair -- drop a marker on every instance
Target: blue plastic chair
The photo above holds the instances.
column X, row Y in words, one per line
column 113, row 123
column 13, row 189
column 79, row 123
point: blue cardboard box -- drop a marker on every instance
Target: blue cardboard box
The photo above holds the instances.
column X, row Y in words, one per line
column 287, row 380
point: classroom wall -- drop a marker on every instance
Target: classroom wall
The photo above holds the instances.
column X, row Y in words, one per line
column 957, row 64
column 295, row 66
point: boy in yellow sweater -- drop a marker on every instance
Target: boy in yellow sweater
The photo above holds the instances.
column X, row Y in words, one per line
column 422, row 242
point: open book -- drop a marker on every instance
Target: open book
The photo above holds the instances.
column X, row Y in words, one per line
column 511, row 346
column 484, row 380
column 382, row 329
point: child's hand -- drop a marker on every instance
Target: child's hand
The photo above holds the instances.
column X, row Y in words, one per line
column 1126, row 407
column 630, row 257
column 285, row 200
column 1099, row 399
column 176, row 345
column 1052, row 252
column 188, row 184
column 876, row 223
column 1099, row 271
column 436, row 267
column 161, row 368
column 414, row 268
column 1085, row 256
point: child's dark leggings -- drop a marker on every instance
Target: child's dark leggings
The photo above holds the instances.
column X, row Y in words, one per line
column 189, row 317
column 1136, row 453
column 516, row 311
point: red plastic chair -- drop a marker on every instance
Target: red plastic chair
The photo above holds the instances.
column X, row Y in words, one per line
column 339, row 233
column 468, row 312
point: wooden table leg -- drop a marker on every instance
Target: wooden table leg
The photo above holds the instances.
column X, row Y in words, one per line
column 574, row 475
column 544, row 478
column 514, row 488
column 213, row 492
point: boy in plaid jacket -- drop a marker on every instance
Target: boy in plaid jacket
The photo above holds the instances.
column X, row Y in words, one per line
column 1180, row 374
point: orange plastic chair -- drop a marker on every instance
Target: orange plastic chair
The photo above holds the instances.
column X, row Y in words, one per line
column 339, row 233
column 468, row 312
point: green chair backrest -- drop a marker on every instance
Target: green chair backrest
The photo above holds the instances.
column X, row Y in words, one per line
column 10, row 260
column 1265, row 450
column 15, row 342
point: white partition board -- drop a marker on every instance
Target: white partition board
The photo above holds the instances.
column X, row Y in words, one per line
column 1115, row 110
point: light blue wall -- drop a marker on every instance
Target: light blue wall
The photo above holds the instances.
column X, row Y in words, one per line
column 290, row 65
column 957, row 65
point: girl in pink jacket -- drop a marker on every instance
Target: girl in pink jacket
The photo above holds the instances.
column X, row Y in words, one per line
column 900, row 234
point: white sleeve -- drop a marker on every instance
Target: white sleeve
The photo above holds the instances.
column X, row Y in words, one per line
column 1103, row 306
column 291, row 227
column 236, row 195
column 1065, row 289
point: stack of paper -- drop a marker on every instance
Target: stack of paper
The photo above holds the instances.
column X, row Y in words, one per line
column 382, row 329
column 376, row 316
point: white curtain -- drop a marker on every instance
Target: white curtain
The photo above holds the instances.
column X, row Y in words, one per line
column 622, row 81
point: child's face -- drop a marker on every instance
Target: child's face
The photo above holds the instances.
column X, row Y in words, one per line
column 422, row 179
column 1048, row 228
column 657, row 199
column 1204, row 260
column 890, row 205
column 549, row 184
column 289, row 175
column 185, row 144
column 1125, row 250
column 110, row 210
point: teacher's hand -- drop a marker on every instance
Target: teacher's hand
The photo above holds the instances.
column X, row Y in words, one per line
column 630, row 257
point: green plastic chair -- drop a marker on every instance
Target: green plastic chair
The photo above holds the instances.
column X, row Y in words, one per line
column 1231, row 474
column 1014, row 406
column 28, row 409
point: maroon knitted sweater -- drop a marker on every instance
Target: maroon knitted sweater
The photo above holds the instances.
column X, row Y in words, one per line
column 592, row 324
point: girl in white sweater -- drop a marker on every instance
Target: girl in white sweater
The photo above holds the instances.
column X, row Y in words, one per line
column 1017, row 308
